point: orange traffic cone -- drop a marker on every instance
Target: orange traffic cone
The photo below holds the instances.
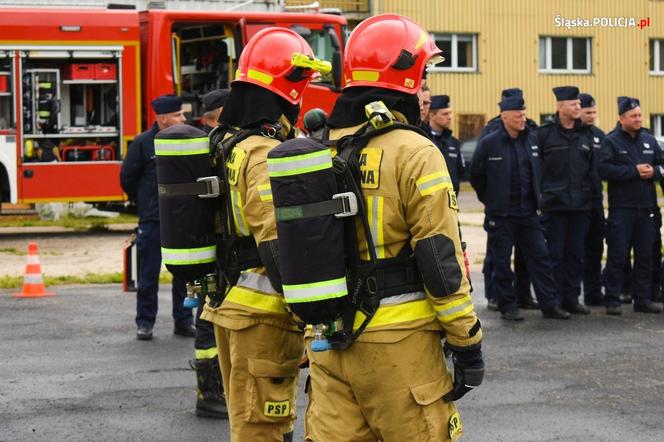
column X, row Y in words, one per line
column 33, row 283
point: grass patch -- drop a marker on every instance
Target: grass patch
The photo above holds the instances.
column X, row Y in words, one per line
column 86, row 224
column 17, row 252
column 13, row 251
column 16, row 282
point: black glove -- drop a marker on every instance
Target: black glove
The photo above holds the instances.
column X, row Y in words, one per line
column 468, row 372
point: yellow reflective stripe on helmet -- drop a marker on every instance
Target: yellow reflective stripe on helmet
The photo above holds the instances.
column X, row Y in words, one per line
column 238, row 213
column 423, row 38
column 375, row 217
column 178, row 147
column 295, row 165
column 259, row 301
column 455, row 309
column 265, row 192
column 198, row 255
column 316, row 291
column 399, row 313
column 433, row 182
column 207, row 353
column 260, row 76
column 365, row 75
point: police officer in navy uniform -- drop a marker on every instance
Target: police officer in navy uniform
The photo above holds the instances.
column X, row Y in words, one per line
column 213, row 105
column 440, row 121
column 592, row 272
column 567, row 182
column 505, row 173
column 138, row 178
column 521, row 280
column 631, row 161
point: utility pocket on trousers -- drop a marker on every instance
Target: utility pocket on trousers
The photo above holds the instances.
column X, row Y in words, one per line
column 271, row 390
column 442, row 419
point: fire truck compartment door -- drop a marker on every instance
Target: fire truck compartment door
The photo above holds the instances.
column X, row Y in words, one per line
column 70, row 181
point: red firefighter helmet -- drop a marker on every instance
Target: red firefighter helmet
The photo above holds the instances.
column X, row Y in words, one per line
column 389, row 51
column 270, row 60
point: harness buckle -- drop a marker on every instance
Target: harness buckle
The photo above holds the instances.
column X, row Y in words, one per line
column 349, row 203
column 213, row 186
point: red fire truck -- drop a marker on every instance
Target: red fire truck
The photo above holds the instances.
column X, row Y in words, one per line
column 76, row 86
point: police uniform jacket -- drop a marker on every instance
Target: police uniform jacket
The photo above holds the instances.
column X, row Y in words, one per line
column 598, row 136
column 253, row 299
column 450, row 148
column 567, row 166
column 409, row 197
column 490, row 170
column 618, row 157
column 138, row 175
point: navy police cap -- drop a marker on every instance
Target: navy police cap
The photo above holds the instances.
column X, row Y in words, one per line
column 439, row 102
column 215, row 99
column 512, row 103
column 167, row 104
column 566, row 93
column 511, row 92
column 626, row 104
column 587, row 100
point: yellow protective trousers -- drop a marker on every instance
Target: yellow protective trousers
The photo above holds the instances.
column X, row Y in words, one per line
column 385, row 392
column 259, row 366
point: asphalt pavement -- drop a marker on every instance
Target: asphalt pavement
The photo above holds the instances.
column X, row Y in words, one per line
column 72, row 370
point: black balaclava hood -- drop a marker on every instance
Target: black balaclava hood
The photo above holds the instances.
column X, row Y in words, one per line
column 349, row 108
column 249, row 105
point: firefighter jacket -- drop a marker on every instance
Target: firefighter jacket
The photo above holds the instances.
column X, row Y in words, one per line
column 253, row 299
column 491, row 170
column 410, row 199
column 619, row 155
column 567, row 166
column 138, row 175
column 450, row 148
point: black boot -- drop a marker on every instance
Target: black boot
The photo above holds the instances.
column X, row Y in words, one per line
column 210, row 400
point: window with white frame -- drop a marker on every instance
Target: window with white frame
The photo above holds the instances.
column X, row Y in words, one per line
column 565, row 55
column 459, row 50
column 657, row 125
column 657, row 56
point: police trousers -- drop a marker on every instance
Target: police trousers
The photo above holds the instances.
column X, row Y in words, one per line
column 565, row 234
column 625, row 227
column 148, row 243
column 381, row 392
column 259, row 366
column 592, row 271
column 521, row 278
column 503, row 233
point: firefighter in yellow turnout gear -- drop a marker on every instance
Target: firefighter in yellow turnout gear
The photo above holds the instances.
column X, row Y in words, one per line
column 392, row 384
column 259, row 343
